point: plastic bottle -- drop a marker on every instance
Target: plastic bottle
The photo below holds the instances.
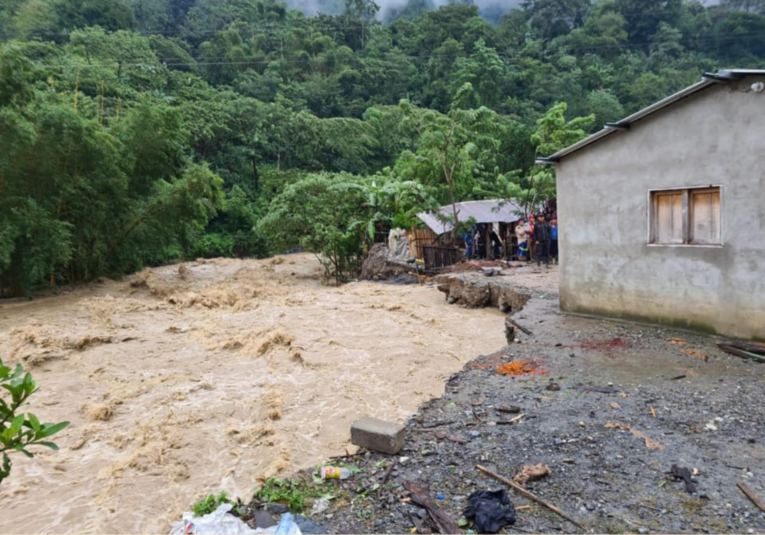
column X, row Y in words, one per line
column 286, row 525
column 329, row 472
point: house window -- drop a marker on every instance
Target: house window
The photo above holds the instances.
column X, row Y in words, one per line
column 686, row 216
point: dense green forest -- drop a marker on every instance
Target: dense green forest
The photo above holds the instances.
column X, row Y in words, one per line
column 137, row 132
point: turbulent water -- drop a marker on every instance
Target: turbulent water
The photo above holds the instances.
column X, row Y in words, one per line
column 213, row 375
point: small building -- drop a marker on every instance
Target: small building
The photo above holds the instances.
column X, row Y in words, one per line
column 495, row 215
column 662, row 214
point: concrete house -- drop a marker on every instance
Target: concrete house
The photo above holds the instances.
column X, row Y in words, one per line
column 662, row 214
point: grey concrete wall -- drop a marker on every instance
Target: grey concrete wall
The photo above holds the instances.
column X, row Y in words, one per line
column 716, row 137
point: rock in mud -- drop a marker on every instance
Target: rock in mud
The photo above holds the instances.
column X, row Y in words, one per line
column 377, row 264
column 263, row 519
column 473, row 290
column 377, row 435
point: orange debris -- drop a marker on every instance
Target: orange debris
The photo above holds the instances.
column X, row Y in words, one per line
column 521, row 367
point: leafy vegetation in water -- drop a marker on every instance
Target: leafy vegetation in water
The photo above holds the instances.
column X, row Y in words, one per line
column 210, row 503
column 20, row 431
column 139, row 132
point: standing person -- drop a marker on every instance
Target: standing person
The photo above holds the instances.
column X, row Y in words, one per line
column 554, row 238
column 495, row 244
column 477, row 242
column 530, row 235
column 542, row 238
column 523, row 245
column 468, row 239
column 481, row 243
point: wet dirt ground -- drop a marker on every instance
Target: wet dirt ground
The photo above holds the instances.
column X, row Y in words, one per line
column 629, row 401
column 212, row 375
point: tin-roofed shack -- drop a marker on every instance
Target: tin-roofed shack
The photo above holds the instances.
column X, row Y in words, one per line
column 497, row 215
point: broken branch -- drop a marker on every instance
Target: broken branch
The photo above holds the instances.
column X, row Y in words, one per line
column 444, row 522
column 518, row 326
column 529, row 495
column 752, row 496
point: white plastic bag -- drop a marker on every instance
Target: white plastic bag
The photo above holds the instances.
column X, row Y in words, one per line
column 219, row 522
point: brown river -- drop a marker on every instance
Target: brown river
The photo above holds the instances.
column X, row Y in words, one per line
column 213, row 375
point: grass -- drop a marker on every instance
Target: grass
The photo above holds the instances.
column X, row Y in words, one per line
column 292, row 492
column 209, row 503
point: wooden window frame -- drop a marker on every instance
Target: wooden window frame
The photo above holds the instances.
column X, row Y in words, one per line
column 686, row 193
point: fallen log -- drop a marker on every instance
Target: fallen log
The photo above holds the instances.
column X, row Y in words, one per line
column 533, row 497
column 518, row 326
column 752, row 496
column 444, row 522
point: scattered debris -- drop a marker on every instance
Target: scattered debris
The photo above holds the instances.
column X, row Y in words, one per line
column 511, row 420
column 676, row 341
column 677, row 377
column 444, row 522
column 521, row 367
column 553, row 387
column 440, row 423
column 598, row 389
column 490, row 510
column 532, row 473
column 529, row 495
column 518, row 326
column 653, row 412
column 752, row 496
column 695, row 354
column 649, row 443
column 386, row 476
column 509, row 409
column 680, row 472
column 216, row 523
column 615, row 406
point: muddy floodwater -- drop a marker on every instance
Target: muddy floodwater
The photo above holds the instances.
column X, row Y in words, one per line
column 213, row 375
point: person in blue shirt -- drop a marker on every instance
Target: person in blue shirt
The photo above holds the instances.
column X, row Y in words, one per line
column 554, row 238
column 468, row 239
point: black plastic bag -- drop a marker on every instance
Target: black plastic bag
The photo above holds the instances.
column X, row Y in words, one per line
column 490, row 511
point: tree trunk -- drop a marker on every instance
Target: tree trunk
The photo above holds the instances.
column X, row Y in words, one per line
column 456, row 229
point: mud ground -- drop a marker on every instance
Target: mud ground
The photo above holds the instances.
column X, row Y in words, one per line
column 213, row 375
column 612, row 377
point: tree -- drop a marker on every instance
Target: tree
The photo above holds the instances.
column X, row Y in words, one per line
column 318, row 213
column 553, row 133
column 19, row 431
column 455, row 142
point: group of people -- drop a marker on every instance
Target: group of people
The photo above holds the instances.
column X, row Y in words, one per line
column 475, row 242
column 538, row 239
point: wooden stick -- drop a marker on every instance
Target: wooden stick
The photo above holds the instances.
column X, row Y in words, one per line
column 386, row 477
column 511, row 420
column 742, row 353
column 443, row 521
column 752, row 496
column 533, row 497
column 516, row 324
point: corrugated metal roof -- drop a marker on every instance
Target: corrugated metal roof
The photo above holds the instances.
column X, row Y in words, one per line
column 708, row 79
column 493, row 211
